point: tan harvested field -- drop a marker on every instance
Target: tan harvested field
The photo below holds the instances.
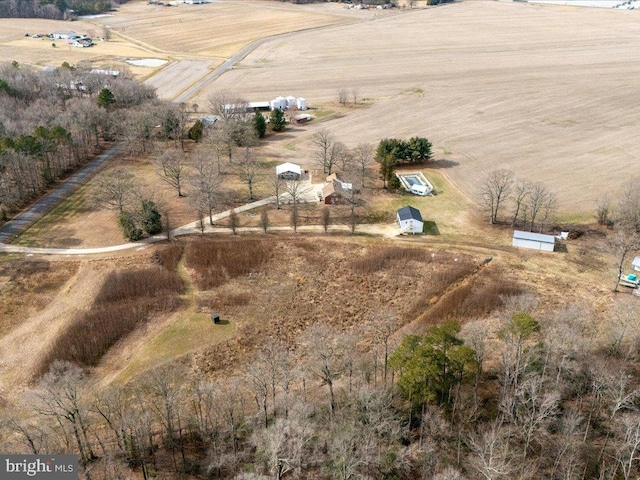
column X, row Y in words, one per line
column 173, row 79
column 549, row 92
column 39, row 52
column 217, row 29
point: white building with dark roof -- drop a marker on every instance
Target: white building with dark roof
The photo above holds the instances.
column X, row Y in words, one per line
column 410, row 220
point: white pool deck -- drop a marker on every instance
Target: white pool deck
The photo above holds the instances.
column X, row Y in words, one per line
column 406, row 183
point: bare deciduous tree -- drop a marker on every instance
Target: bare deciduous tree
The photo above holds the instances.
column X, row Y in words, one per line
column 521, row 190
column 114, row 189
column 538, row 199
column 277, row 184
column 355, row 94
column 494, row 191
column 329, row 151
column 172, row 167
column 603, row 210
column 234, row 221
column 61, row 397
column 363, row 159
column 326, row 357
column 295, row 190
column 206, row 183
column 492, row 455
column 326, row 218
column 264, row 219
column 248, row 168
column 343, row 96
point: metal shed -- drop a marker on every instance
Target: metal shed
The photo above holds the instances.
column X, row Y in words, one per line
column 534, row 241
column 636, row 264
column 289, row 171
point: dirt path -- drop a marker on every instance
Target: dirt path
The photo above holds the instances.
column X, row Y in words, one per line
column 22, row 348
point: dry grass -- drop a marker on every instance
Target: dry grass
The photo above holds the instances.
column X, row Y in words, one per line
column 217, row 29
column 126, row 300
column 216, row 262
column 28, row 287
column 380, row 258
column 476, row 298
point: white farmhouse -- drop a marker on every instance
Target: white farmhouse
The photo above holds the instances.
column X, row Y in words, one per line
column 410, row 220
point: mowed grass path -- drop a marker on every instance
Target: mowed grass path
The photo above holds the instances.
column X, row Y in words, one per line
column 186, row 331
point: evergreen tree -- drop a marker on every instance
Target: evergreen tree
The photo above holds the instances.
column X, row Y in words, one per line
column 150, row 218
column 106, row 98
column 196, row 132
column 128, row 225
column 260, row 124
column 430, row 366
column 278, row 123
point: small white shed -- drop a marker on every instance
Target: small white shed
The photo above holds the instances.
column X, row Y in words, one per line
column 636, row 264
column 410, row 220
column 535, row 241
column 289, row 171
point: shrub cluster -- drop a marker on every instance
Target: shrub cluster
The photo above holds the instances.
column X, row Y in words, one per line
column 126, row 300
column 216, row 262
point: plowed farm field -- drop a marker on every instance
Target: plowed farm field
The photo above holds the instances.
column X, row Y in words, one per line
column 549, row 92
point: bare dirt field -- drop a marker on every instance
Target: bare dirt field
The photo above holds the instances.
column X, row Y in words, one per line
column 39, row 51
column 217, row 29
column 546, row 91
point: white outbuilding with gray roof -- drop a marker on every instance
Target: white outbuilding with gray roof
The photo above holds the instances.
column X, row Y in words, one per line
column 410, row 220
column 534, row 241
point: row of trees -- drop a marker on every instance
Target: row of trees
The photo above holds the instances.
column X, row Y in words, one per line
column 392, row 152
column 542, row 400
column 52, row 9
column 532, row 204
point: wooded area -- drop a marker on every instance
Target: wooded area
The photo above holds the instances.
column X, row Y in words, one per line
column 547, row 400
column 52, row 123
column 52, row 9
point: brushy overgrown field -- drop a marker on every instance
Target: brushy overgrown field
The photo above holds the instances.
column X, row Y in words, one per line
column 28, row 287
column 215, row 262
column 127, row 299
column 294, row 283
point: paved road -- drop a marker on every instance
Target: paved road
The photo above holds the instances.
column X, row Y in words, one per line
column 193, row 227
column 47, row 203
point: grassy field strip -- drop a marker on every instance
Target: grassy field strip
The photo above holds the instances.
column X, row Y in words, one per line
column 184, row 332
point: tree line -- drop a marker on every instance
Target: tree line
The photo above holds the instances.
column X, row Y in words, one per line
column 53, row 123
column 530, row 398
column 531, row 203
column 53, row 9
